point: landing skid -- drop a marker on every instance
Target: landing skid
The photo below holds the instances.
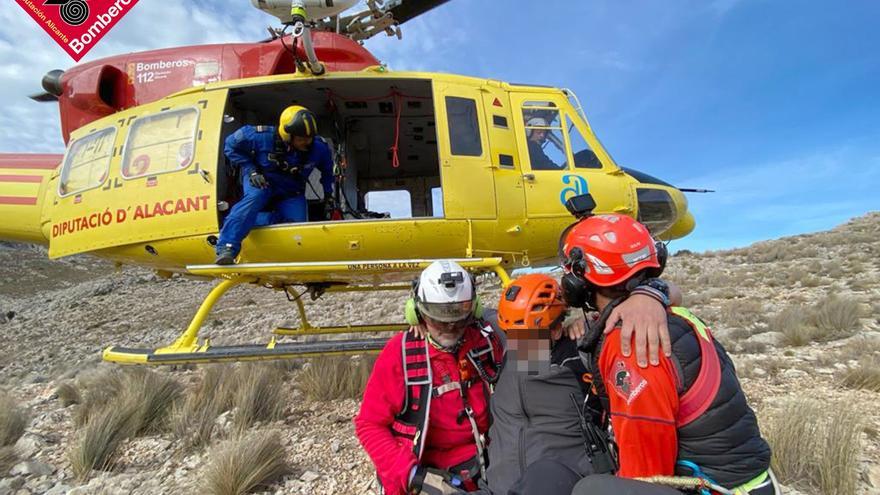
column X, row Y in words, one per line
column 187, row 348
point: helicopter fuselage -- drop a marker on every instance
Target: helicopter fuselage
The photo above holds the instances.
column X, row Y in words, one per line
column 149, row 185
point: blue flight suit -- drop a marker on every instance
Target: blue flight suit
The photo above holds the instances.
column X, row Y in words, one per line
column 248, row 149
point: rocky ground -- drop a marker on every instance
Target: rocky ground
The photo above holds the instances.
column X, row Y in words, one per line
column 56, row 316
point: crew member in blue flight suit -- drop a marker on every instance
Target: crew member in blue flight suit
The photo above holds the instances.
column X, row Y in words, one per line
column 274, row 164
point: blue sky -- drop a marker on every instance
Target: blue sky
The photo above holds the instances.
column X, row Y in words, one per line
column 774, row 104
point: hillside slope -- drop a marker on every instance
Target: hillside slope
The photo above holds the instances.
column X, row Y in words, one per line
column 768, row 303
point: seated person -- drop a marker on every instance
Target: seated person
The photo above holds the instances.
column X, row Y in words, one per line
column 535, row 407
column 686, row 417
column 536, row 139
column 274, row 164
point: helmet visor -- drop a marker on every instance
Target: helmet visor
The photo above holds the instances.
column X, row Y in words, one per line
column 446, row 312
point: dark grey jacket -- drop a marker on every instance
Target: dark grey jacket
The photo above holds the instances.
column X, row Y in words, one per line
column 533, row 418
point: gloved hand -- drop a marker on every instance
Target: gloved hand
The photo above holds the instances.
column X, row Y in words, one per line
column 258, row 180
column 430, row 481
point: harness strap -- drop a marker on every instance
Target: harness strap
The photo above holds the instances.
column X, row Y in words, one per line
column 759, row 481
column 412, row 421
column 704, row 389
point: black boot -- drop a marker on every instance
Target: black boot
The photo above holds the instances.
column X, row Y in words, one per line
column 225, row 255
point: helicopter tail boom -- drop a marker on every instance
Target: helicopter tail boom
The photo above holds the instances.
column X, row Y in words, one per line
column 24, row 179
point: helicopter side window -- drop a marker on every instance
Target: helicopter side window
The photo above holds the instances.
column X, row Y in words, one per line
column 584, row 157
column 87, row 162
column 464, row 128
column 394, row 204
column 544, row 136
column 160, row 143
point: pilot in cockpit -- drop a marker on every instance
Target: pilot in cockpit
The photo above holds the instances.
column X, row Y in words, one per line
column 538, row 134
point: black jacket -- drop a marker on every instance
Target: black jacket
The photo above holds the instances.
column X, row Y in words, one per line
column 725, row 440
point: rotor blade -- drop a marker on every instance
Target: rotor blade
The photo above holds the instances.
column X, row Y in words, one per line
column 410, row 9
column 685, row 189
column 43, row 97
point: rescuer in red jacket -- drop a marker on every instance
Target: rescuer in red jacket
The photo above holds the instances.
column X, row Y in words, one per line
column 425, row 409
column 687, row 417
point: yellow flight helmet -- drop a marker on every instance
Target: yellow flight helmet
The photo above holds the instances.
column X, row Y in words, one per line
column 297, row 120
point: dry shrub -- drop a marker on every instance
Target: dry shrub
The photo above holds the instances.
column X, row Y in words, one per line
column 739, row 334
column 752, row 347
column 68, row 394
column 333, row 378
column 195, row 418
column 135, row 402
column 714, row 278
column 816, row 444
column 258, row 394
column 865, row 376
column 811, row 280
column 155, row 395
column 100, row 388
column 858, row 348
column 792, row 322
column 97, row 442
column 239, row 465
column 836, row 318
column 13, row 421
column 741, row 313
column 8, row 458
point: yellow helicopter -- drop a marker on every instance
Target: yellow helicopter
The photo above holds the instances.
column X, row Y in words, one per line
column 471, row 169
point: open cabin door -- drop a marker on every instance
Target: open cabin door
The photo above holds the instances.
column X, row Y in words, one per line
column 465, row 165
column 141, row 175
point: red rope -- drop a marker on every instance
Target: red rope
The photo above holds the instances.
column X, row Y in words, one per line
column 397, row 101
column 395, row 160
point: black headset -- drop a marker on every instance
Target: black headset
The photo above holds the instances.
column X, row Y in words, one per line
column 577, row 291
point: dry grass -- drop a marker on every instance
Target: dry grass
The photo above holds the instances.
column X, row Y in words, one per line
column 335, row 378
column 155, row 394
column 258, row 394
column 859, row 348
column 792, row 322
column 836, row 318
column 99, row 388
column 865, row 376
column 8, row 458
column 741, row 313
column 97, row 442
column 13, row 421
column 194, row 419
column 752, row 347
column 134, row 402
column 816, row 444
column 68, row 394
column 242, row 464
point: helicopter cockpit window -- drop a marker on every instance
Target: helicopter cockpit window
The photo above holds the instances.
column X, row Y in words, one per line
column 159, row 143
column 583, row 155
column 544, row 136
column 87, row 162
column 464, row 128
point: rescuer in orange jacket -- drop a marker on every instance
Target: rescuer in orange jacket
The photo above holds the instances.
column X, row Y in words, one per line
column 688, row 416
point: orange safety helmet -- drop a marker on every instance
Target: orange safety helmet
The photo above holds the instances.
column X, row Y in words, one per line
column 607, row 250
column 531, row 302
